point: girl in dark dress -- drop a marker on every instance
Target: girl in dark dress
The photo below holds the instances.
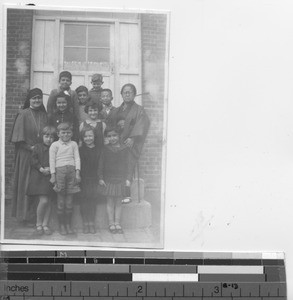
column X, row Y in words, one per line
column 39, row 182
column 115, row 169
column 89, row 159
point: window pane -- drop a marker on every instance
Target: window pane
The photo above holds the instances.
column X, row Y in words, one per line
column 99, row 55
column 99, row 36
column 74, row 54
column 74, row 35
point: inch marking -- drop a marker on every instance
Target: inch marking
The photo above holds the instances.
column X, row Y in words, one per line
column 144, row 290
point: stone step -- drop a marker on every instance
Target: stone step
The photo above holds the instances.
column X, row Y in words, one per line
column 136, row 214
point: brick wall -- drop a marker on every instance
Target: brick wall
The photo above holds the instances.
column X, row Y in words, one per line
column 153, row 37
column 19, row 37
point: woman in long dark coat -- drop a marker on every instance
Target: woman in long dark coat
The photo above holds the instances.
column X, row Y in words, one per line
column 26, row 132
column 132, row 120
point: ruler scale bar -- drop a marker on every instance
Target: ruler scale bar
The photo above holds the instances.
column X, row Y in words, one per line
column 150, row 275
column 29, row 288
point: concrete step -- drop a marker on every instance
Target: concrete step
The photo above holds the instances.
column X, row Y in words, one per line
column 137, row 214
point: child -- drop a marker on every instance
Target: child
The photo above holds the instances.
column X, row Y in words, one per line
column 95, row 92
column 39, row 182
column 62, row 114
column 92, row 109
column 83, row 97
column 65, row 81
column 65, row 175
column 106, row 99
column 89, row 158
column 115, row 169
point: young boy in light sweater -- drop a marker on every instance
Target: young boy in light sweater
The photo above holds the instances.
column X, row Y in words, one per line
column 65, row 175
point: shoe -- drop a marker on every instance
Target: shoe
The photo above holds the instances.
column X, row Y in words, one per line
column 47, row 230
column 112, row 228
column 126, row 200
column 63, row 230
column 92, row 229
column 39, row 230
column 119, row 229
column 68, row 218
column 86, row 229
column 69, row 229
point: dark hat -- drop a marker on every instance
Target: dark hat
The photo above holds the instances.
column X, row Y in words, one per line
column 32, row 93
column 65, row 74
column 97, row 77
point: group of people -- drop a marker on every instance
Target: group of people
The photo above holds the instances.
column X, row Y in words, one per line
column 79, row 146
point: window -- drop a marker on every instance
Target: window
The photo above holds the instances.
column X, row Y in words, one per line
column 86, row 47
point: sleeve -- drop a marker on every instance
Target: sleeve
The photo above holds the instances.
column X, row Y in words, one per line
column 76, row 156
column 51, row 120
column 24, row 145
column 75, row 105
column 18, row 130
column 112, row 117
column 35, row 160
column 81, row 156
column 75, row 129
column 81, row 126
column 103, row 127
column 141, row 126
column 101, row 166
column 51, row 102
column 52, row 158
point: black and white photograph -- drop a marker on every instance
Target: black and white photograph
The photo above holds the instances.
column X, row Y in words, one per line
column 85, row 127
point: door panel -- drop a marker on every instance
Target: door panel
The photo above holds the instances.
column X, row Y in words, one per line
column 130, row 56
column 84, row 48
column 43, row 41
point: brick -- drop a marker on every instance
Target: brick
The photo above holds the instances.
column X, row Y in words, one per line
column 19, row 29
column 153, row 39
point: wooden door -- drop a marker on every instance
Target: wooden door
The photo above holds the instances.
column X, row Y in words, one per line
column 44, row 56
column 82, row 47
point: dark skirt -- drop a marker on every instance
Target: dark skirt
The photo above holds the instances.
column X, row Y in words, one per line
column 20, row 183
column 89, row 189
column 39, row 184
column 112, row 189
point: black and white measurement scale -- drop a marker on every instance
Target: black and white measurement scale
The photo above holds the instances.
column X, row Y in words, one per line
column 143, row 275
